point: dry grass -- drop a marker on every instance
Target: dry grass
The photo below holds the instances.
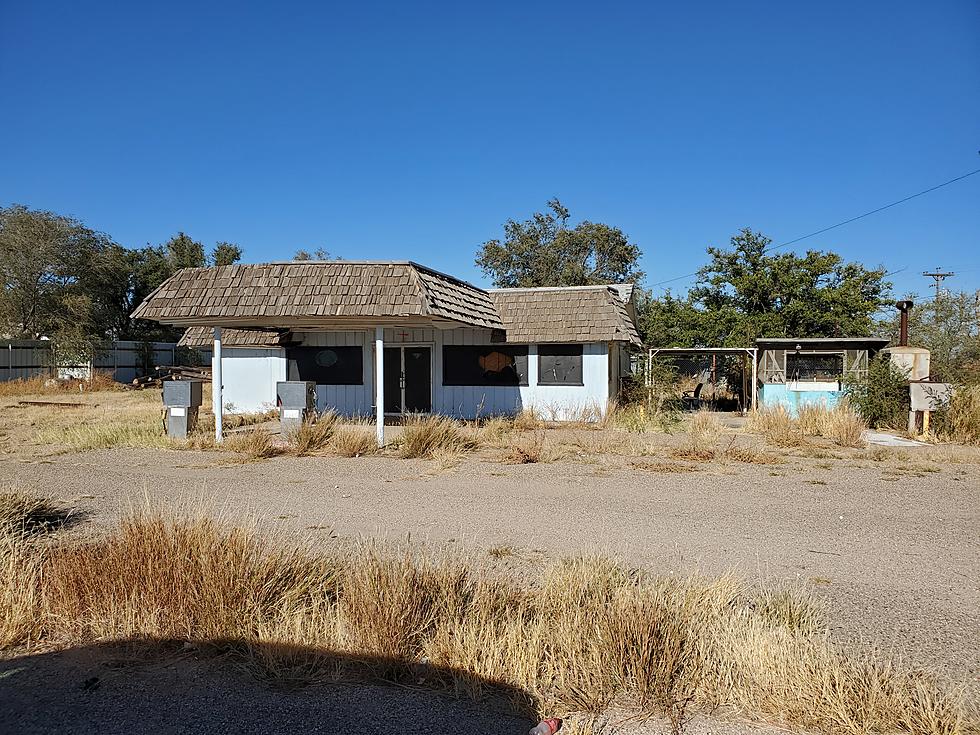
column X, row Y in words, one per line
column 748, row 455
column 664, row 467
column 528, row 419
column 43, row 385
column 526, row 449
column 26, row 514
column 960, row 422
column 143, row 432
column 587, row 634
column 312, row 437
column 254, row 443
column 353, row 441
column 424, row 436
column 777, row 426
column 841, row 424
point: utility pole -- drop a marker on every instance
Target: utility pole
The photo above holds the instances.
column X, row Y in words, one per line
column 938, row 276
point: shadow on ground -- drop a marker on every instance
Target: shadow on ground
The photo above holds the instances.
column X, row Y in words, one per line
column 165, row 686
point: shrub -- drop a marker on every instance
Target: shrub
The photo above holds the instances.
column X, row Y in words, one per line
column 422, row 436
column 882, row 397
column 844, row 426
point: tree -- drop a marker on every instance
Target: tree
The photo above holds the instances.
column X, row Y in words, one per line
column 747, row 292
column 185, row 252
column 45, row 259
column 543, row 251
column 318, row 254
column 672, row 322
column 225, row 253
column 949, row 327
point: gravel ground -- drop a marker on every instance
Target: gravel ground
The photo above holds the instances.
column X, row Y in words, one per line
column 894, row 553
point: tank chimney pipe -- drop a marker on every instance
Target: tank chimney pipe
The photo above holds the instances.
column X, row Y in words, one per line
column 904, row 307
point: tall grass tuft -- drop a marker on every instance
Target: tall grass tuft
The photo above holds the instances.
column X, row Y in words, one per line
column 586, row 634
column 353, row 441
column 254, row 443
column 422, row 437
column 960, row 421
column 313, row 436
column 776, row 425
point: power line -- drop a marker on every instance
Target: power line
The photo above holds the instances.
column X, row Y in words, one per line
column 938, row 276
column 841, row 224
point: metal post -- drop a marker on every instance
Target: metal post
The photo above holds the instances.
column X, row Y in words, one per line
column 755, row 377
column 379, row 383
column 216, row 386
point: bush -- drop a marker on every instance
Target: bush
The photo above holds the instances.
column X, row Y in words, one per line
column 881, row 398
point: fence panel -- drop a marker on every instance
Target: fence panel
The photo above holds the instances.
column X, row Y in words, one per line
column 22, row 359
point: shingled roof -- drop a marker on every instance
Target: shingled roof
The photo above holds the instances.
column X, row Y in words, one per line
column 570, row 314
column 284, row 294
column 204, row 337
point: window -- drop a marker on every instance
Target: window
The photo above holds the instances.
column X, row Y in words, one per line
column 326, row 365
column 484, row 365
column 827, row 367
column 560, row 365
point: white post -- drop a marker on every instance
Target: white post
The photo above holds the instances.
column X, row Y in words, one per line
column 379, row 383
column 216, row 386
column 755, row 377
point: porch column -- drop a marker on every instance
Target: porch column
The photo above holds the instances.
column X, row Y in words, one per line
column 755, row 376
column 379, row 383
column 216, row 387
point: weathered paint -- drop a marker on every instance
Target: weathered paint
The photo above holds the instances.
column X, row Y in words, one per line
column 793, row 395
column 251, row 374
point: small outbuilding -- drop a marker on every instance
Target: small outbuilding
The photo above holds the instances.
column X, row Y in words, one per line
column 394, row 337
column 813, row 370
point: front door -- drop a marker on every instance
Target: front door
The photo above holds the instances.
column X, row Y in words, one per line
column 408, row 379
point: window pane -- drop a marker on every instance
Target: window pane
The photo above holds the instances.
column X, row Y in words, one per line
column 820, row 368
column 327, row 365
column 560, row 365
column 484, row 365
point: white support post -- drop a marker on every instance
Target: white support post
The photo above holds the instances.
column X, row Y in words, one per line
column 379, row 383
column 755, row 377
column 216, row 386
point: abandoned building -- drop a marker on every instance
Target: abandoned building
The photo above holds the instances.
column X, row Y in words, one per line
column 814, row 370
column 390, row 338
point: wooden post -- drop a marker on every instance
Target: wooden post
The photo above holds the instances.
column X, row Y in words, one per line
column 379, row 383
column 755, row 377
column 216, row 386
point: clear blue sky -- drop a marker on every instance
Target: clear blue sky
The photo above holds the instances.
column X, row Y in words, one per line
column 413, row 130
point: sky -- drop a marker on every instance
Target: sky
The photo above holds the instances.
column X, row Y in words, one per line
column 415, row 130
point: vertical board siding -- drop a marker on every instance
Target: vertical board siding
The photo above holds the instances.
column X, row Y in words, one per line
column 558, row 402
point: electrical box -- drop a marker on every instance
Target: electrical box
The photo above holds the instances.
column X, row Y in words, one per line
column 297, row 402
column 182, row 399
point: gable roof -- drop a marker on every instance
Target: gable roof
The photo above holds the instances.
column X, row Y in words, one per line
column 275, row 294
column 566, row 314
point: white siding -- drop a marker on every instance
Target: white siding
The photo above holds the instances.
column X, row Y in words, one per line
column 251, row 376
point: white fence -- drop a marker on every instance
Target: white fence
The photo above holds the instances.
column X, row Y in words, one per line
column 125, row 359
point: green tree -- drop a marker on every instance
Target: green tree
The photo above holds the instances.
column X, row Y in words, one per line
column 670, row 321
column 544, row 251
column 949, row 327
column 318, row 254
column 185, row 252
column 225, row 253
column 746, row 292
column 45, row 259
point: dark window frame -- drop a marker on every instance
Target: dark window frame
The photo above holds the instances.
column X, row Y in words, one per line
column 313, row 372
column 520, row 353
column 561, row 350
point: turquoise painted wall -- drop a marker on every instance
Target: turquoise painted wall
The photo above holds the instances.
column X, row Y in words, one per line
column 771, row 395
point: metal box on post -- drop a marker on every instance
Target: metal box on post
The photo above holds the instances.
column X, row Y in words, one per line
column 182, row 399
column 297, row 401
